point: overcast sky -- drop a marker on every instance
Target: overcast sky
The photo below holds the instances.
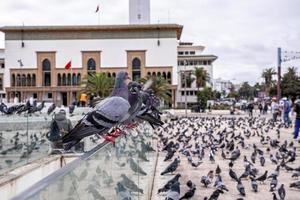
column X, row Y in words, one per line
column 244, row 34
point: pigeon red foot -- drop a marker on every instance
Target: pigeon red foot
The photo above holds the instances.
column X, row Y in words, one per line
column 131, row 126
column 111, row 137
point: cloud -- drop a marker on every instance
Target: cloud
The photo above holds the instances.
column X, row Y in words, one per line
column 243, row 34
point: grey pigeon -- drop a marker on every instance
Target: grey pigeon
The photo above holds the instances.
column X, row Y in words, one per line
column 104, row 116
column 174, row 192
column 135, row 167
column 129, row 184
column 122, row 192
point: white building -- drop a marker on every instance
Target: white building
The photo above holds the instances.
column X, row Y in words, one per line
column 222, row 86
column 139, row 11
column 2, row 66
column 189, row 57
column 35, row 57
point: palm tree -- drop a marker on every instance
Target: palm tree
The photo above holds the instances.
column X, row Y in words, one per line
column 98, row 83
column 201, row 77
column 268, row 76
column 160, row 86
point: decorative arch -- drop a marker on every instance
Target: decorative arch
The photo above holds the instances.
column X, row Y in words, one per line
column 59, row 79
column 23, row 81
column 153, row 73
column 64, row 80
column 164, row 75
column 13, row 80
column 114, row 74
column 74, row 79
column 136, row 69
column 29, row 80
column 78, row 78
column 91, row 65
column 33, row 81
column 69, row 79
column 46, row 67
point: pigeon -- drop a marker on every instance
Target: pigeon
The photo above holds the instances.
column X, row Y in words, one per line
column 254, row 184
column 104, row 116
column 215, row 195
column 51, row 108
column 263, row 177
column 281, row 192
column 241, row 188
column 189, row 194
column 273, row 183
column 122, row 193
column 171, row 167
column 168, row 185
column 295, row 185
column 174, row 192
column 233, row 175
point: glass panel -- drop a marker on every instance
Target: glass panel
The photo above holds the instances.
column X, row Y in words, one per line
column 109, row 172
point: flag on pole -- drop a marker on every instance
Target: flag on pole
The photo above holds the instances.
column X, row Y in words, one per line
column 97, row 9
column 68, row 65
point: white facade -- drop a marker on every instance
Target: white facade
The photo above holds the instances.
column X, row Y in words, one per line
column 139, row 11
column 190, row 57
column 113, row 52
column 222, row 86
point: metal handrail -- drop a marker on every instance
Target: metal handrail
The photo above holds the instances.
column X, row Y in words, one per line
column 52, row 178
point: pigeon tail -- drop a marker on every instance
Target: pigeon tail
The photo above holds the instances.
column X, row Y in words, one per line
column 79, row 132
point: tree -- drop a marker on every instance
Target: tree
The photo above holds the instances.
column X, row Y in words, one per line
column 290, row 83
column 201, row 76
column 160, row 86
column 204, row 95
column 267, row 74
column 98, row 83
column 246, row 91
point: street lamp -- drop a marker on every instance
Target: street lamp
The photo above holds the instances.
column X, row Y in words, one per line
column 185, row 83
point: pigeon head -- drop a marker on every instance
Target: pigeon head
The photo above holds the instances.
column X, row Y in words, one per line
column 120, row 187
column 120, row 88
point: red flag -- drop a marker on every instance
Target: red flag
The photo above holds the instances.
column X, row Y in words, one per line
column 68, row 65
column 97, row 9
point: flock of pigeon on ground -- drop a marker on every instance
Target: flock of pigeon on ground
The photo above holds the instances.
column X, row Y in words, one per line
column 212, row 140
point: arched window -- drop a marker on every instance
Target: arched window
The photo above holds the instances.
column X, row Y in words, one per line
column 108, row 74
column 64, row 80
column 69, row 79
column 153, row 73
column 23, row 80
column 18, row 80
column 13, row 80
column 169, row 77
column 91, row 65
column 74, row 79
column 136, row 69
column 46, row 66
column 164, row 75
column 78, row 78
column 58, row 79
column 158, row 74
column 33, row 81
column 149, row 74
column 28, row 80
column 114, row 74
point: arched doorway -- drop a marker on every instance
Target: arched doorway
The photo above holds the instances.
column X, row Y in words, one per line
column 136, row 69
column 46, row 65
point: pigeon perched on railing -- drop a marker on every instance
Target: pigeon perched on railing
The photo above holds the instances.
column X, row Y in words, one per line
column 126, row 103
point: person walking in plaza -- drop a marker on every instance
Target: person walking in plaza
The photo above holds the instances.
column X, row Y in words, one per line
column 274, row 109
column 260, row 107
column 286, row 109
column 297, row 120
column 265, row 109
column 83, row 99
column 250, row 109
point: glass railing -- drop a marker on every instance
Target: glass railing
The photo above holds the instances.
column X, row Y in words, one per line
column 109, row 171
column 23, row 137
